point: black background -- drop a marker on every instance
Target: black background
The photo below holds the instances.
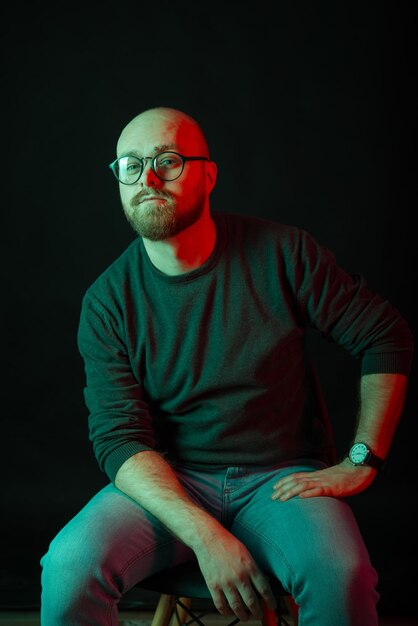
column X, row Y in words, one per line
column 310, row 112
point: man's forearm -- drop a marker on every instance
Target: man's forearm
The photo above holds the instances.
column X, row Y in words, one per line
column 382, row 398
column 149, row 480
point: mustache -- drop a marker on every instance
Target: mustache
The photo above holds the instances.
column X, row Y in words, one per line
column 145, row 194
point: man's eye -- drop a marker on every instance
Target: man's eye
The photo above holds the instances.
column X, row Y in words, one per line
column 169, row 162
column 166, row 162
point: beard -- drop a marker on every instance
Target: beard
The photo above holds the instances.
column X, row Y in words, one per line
column 164, row 220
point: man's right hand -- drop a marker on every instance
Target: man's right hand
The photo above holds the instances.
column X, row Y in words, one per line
column 234, row 580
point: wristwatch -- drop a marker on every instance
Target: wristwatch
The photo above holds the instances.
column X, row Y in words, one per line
column 360, row 454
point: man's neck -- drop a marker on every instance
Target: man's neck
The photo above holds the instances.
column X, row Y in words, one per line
column 186, row 251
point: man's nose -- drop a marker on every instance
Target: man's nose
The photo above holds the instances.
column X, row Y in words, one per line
column 149, row 177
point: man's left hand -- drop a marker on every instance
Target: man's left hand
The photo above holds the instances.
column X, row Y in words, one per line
column 338, row 481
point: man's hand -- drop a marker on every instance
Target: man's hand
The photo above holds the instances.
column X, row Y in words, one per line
column 339, row 481
column 235, row 582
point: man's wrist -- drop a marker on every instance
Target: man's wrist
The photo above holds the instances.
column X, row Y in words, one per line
column 361, row 454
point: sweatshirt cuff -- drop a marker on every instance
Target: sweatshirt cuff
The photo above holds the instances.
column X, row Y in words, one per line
column 117, row 457
column 387, row 363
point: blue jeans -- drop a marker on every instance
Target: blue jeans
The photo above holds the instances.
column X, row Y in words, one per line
column 313, row 546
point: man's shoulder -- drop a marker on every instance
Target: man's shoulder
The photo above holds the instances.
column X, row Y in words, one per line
column 260, row 227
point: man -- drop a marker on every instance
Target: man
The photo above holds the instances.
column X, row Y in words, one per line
column 204, row 408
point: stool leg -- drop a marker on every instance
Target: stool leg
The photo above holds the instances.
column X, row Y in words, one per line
column 180, row 615
column 164, row 610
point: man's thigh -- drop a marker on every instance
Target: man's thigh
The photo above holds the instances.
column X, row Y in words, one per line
column 300, row 538
column 115, row 535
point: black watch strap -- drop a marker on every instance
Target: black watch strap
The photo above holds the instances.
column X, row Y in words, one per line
column 374, row 461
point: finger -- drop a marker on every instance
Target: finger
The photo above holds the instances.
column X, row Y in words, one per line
column 313, row 493
column 262, row 586
column 241, row 607
column 292, row 490
column 253, row 607
column 251, row 600
column 290, row 478
column 220, row 602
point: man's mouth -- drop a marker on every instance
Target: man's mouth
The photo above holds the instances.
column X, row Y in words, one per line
column 148, row 198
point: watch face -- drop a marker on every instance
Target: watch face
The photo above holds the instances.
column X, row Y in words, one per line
column 359, row 453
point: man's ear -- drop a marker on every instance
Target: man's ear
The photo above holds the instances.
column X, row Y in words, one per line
column 211, row 173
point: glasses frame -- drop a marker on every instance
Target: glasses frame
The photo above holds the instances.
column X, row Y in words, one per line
column 153, row 159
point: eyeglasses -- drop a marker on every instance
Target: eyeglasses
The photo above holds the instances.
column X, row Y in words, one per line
column 166, row 165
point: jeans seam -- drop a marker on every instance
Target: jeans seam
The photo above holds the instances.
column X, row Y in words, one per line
column 275, row 547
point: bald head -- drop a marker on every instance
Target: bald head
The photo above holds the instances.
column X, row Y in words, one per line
column 163, row 128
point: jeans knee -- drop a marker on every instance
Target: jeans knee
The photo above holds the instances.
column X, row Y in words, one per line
column 68, row 560
column 343, row 575
column 338, row 590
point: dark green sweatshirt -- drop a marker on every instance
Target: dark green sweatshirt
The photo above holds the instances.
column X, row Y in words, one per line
column 210, row 367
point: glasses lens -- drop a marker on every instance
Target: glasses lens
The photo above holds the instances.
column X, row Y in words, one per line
column 128, row 169
column 168, row 165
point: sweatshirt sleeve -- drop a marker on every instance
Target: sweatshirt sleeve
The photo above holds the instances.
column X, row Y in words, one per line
column 120, row 424
column 343, row 309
